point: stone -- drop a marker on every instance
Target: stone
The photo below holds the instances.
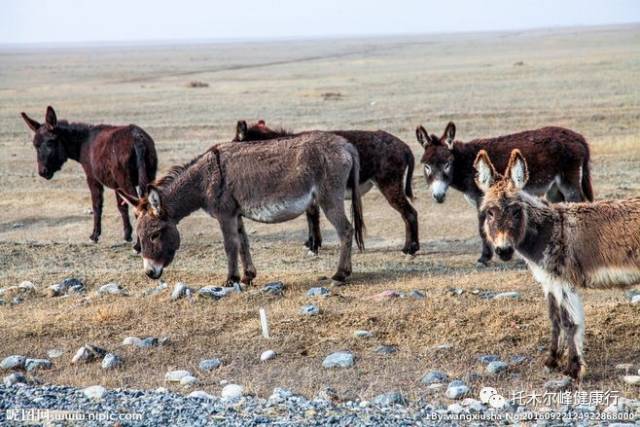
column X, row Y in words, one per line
column 433, row 377
column 633, row 296
column 496, row 367
column 328, row 393
column 132, row 341
column 518, row 359
column 455, row 291
column 14, row 378
column 87, row 353
column 309, row 310
column 386, row 349
column 390, row 399
column 473, row 404
column 416, row 294
column 111, row 289
column 208, row 365
column 176, row 376
column 340, row 359
column 149, row 342
column 386, row 295
column 488, row 358
column 13, row 362
column 95, row 392
column 111, row 361
column 35, row 364
column 216, row 292
column 558, row 385
column 507, row 295
column 631, row 379
column 232, row 392
column 180, row 290
column 318, row 292
column 626, row 367
column 267, row 355
column 362, row 334
column 188, row 380
column 69, row 285
column 455, row 408
column 158, row 289
column 280, row 395
column 200, row 394
column 457, row 390
column 273, row 288
column 54, row 353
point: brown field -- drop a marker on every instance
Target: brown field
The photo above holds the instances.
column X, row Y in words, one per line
column 584, row 79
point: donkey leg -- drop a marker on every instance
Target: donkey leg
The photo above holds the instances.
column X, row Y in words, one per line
column 554, row 195
column 570, row 185
column 229, row 227
column 394, row 193
column 96, row 203
column 333, row 209
column 124, row 213
column 315, row 237
column 245, row 255
column 487, row 252
column 554, row 350
column 572, row 320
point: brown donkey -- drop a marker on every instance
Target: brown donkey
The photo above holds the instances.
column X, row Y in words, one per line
column 559, row 160
column 383, row 161
column 117, row 157
column 268, row 183
column 588, row 245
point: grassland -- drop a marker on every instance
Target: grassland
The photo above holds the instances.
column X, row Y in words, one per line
column 489, row 84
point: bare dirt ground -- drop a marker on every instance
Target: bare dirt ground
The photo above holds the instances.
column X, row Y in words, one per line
column 489, row 84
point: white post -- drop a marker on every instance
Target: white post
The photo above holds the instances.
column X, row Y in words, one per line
column 263, row 323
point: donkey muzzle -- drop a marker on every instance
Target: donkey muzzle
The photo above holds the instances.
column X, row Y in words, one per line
column 152, row 269
column 504, row 252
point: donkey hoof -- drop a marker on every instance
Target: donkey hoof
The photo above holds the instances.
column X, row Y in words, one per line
column 128, row 238
column 311, row 253
column 575, row 370
column 482, row 263
column 411, row 248
column 339, row 279
column 94, row 238
column 551, row 363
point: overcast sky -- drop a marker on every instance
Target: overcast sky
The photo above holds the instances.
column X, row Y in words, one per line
column 78, row 21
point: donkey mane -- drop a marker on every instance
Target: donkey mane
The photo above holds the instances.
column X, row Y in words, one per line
column 175, row 172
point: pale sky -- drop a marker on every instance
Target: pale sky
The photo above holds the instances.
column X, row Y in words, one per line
column 79, row 21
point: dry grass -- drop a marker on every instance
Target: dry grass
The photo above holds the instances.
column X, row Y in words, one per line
column 585, row 80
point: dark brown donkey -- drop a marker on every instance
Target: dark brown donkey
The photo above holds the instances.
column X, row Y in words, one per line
column 558, row 157
column 383, row 162
column 268, row 183
column 566, row 246
column 117, row 157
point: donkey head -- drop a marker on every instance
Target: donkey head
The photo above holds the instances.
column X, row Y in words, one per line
column 49, row 146
column 256, row 132
column 437, row 159
column 157, row 231
column 502, row 206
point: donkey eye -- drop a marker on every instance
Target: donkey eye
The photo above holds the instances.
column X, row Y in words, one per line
column 155, row 236
column 490, row 214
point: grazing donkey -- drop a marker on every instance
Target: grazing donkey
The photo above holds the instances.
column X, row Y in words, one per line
column 588, row 245
column 383, row 161
column 559, row 160
column 268, row 183
column 117, row 157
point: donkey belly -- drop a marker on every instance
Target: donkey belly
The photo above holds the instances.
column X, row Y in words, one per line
column 606, row 277
column 279, row 210
column 365, row 187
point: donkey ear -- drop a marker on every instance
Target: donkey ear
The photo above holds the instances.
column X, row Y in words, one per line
column 517, row 171
column 131, row 200
column 449, row 134
column 261, row 123
column 153, row 195
column 422, row 136
column 33, row 125
column 485, row 172
column 241, row 130
column 50, row 118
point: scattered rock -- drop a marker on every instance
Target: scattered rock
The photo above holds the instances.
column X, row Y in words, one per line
column 208, row 365
column 455, row 408
column 631, row 379
column 216, row 292
column 416, row 294
column 132, row 341
column 280, row 395
column 176, row 376
column 14, row 378
column 390, row 399
column 473, row 404
column 149, row 342
column 267, row 355
column 442, row 347
column 13, row 362
column 633, row 296
column 340, row 359
column 188, row 380
column 329, row 394
column 196, row 84
column 27, row 287
column 232, row 392
column 508, row 295
column 433, row 377
column 496, row 367
column 457, row 390
column 111, row 361
column 66, row 286
column 558, row 385
column 386, row 295
column 95, row 392
column 318, row 292
column 456, row 292
column 181, row 290
column 87, row 353
column 386, row 349
column 199, row 394
column 111, row 289
column 362, row 334
column 274, row 288
column 518, row 359
column 309, row 310
column 35, row 364
column 154, row 291
column 488, row 358
column 54, row 353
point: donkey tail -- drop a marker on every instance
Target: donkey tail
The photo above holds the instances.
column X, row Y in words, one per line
column 356, row 202
column 587, row 189
column 408, row 191
column 145, row 160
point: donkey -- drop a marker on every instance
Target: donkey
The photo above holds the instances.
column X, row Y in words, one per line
column 566, row 246
column 383, row 161
column 117, row 157
column 269, row 183
column 559, row 160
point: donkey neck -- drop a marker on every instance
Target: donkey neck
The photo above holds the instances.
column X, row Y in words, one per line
column 73, row 136
column 541, row 226
column 464, row 155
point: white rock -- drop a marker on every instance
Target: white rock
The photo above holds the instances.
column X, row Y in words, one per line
column 209, row 364
column 510, row 295
column 457, row 390
column 199, row 394
column 94, row 392
column 35, row 364
column 340, row 359
column 362, row 334
column 132, row 341
column 180, row 290
column 161, row 390
column 13, row 362
column 267, row 355
column 188, row 380
column 14, row 378
column 632, row 379
column 455, row 408
column 232, row 391
column 111, row 289
column 111, row 361
column 27, row 286
column 176, row 376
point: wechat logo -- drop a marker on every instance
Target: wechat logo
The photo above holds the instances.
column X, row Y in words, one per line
column 490, row 396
